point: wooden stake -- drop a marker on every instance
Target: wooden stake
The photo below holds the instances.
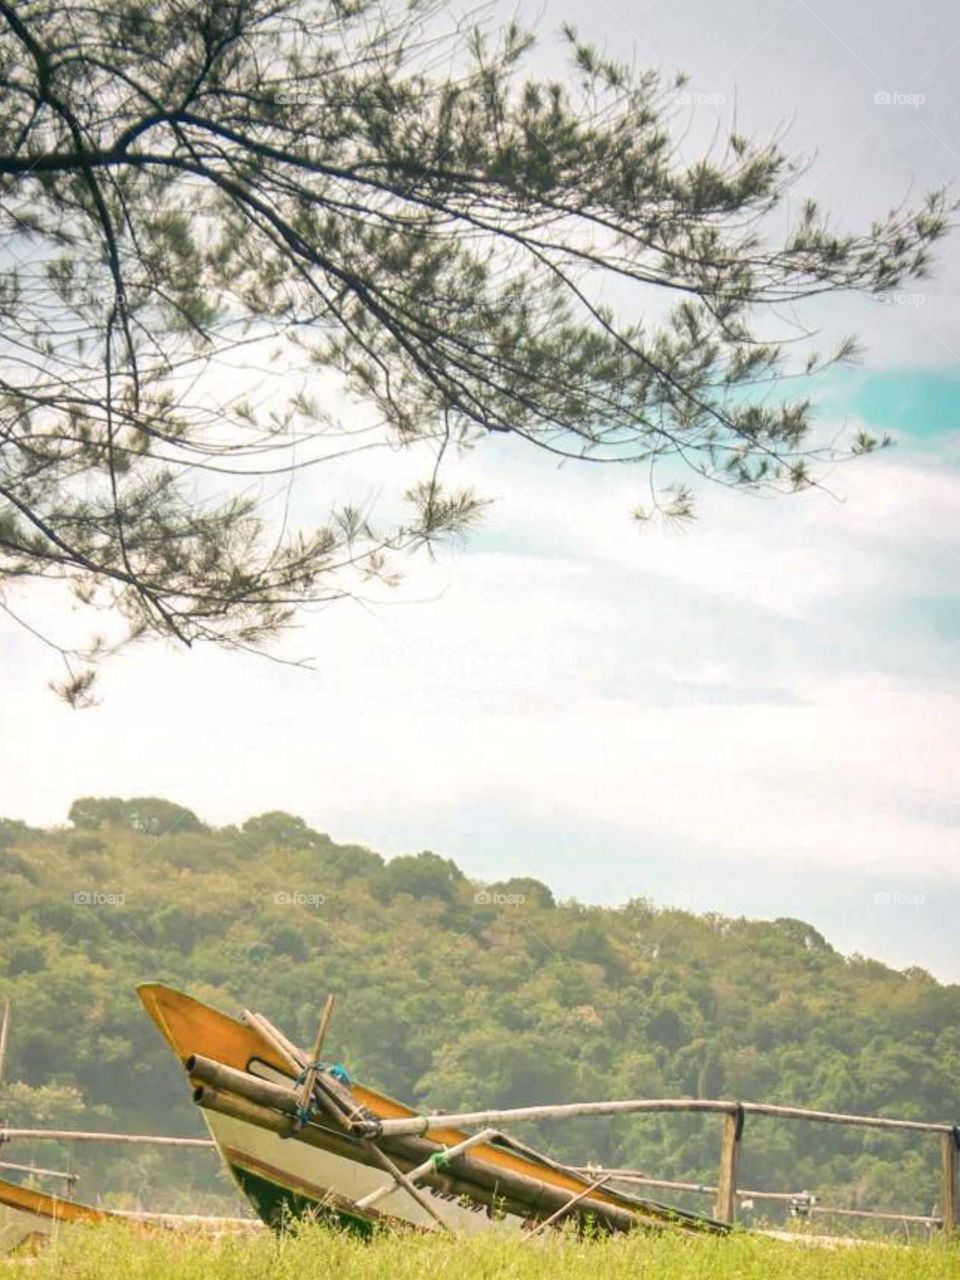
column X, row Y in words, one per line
column 4, row 1035
column 950, row 1159
column 305, row 1096
column 725, row 1205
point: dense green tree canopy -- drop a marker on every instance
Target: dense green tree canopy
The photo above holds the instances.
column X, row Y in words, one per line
column 146, row 815
column 444, row 246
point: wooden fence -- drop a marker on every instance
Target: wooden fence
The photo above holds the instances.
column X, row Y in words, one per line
column 725, row 1193
column 734, row 1121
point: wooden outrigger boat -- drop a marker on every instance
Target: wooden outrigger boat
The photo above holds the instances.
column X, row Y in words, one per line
column 302, row 1140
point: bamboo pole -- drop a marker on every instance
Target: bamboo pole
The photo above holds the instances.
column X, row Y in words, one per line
column 79, row 1135
column 305, row 1094
column 297, row 1061
column 36, row 1169
column 401, row 1179
column 555, row 1217
column 264, row 1092
column 950, row 1159
column 429, row 1165
column 725, row 1205
column 294, row 1059
column 561, row 1111
column 830, row 1211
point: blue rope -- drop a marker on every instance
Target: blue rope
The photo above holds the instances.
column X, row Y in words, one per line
column 336, row 1069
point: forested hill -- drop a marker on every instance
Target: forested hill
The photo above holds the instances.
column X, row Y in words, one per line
column 455, row 994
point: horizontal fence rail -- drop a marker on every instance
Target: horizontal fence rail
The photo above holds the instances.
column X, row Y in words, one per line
column 65, row 1174
column 801, row 1199
column 568, row 1110
column 81, row 1135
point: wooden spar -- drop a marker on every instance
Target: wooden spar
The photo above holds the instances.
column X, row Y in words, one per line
column 79, row 1135
column 400, row 1179
column 295, row 1059
column 725, row 1205
column 495, row 1186
column 949, row 1178
column 560, row 1111
column 4, row 1037
column 421, row 1171
column 305, row 1096
column 555, row 1217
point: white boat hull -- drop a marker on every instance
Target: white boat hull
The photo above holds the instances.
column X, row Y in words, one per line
column 296, row 1173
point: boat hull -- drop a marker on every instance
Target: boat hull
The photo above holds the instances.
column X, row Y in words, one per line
column 284, row 1179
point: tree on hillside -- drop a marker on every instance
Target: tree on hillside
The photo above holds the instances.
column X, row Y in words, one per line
column 439, row 247
column 147, row 815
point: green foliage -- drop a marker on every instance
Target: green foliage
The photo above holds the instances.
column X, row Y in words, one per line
column 422, row 875
column 282, row 829
column 454, row 994
column 145, row 814
column 418, row 219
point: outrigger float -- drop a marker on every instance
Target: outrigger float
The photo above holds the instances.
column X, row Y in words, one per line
column 303, row 1140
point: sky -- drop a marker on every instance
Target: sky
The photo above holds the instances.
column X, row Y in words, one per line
column 756, row 714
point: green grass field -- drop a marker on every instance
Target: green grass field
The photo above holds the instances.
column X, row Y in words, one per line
column 112, row 1253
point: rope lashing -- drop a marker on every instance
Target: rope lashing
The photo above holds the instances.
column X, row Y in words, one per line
column 335, row 1069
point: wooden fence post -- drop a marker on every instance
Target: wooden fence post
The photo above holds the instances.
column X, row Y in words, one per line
column 725, row 1205
column 950, row 1164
